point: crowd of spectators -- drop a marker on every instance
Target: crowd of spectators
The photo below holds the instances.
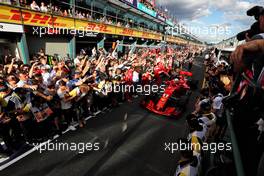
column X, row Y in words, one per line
column 50, row 96
column 207, row 124
column 160, row 11
column 81, row 13
column 148, row 4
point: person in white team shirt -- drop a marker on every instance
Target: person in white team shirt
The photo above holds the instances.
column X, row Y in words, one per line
column 136, row 75
column 218, row 110
column 47, row 78
column 197, row 132
column 34, row 6
column 205, row 113
column 66, row 104
column 207, row 117
column 43, row 8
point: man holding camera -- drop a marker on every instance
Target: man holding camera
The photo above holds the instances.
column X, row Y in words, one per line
column 251, row 52
column 251, row 46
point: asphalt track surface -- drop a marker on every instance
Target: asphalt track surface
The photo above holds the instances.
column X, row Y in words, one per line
column 132, row 143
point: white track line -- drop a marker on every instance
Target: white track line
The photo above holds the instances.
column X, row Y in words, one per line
column 98, row 112
column 23, row 155
column 38, row 146
column 87, row 118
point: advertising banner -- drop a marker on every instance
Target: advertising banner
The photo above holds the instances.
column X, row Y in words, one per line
column 32, row 18
column 14, row 15
column 94, row 27
column 6, row 15
column 173, row 39
column 145, row 9
column 5, row 27
column 131, row 2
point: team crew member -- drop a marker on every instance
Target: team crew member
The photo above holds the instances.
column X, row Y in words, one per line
column 197, row 133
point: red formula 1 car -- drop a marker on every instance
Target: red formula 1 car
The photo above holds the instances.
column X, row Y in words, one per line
column 172, row 101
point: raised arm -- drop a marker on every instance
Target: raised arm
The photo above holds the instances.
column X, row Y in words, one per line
column 252, row 46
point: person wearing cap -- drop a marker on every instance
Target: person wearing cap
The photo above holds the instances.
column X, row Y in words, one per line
column 207, row 117
column 81, row 104
column 11, row 81
column 251, row 51
column 24, row 81
column 205, row 113
column 17, row 107
column 76, row 81
column 66, row 104
column 46, row 75
column 217, row 104
column 218, row 110
column 5, row 125
column 254, row 46
column 204, row 96
column 197, row 132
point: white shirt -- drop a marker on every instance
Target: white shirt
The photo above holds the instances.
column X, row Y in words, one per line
column 199, row 134
column 94, row 52
column 207, row 56
column 43, row 9
column 64, row 104
column 46, row 78
column 21, row 83
column 34, row 7
column 208, row 122
column 217, row 102
column 260, row 124
column 135, row 76
column 77, row 61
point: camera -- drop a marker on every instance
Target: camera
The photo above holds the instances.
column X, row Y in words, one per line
column 254, row 30
column 256, row 11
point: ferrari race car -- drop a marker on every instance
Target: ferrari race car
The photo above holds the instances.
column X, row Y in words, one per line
column 172, row 101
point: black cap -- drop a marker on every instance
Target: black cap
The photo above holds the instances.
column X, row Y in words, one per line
column 21, row 90
column 242, row 35
column 205, row 105
column 256, row 11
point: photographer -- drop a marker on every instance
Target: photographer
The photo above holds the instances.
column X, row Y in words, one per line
column 248, row 109
column 255, row 46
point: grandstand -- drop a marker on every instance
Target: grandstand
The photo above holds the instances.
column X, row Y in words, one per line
column 110, row 20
